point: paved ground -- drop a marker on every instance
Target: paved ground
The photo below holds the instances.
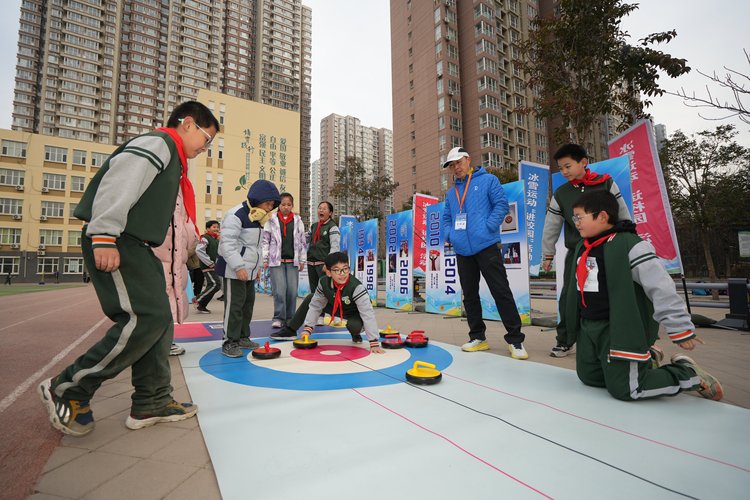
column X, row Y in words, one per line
column 41, row 333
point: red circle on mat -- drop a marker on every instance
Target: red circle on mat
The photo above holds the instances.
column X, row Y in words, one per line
column 330, row 353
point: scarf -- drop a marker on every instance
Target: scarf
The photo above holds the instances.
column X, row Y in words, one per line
column 285, row 220
column 337, row 305
column 582, row 271
column 316, row 236
column 188, row 193
column 590, row 179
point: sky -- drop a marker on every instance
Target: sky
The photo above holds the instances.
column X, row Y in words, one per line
column 352, row 63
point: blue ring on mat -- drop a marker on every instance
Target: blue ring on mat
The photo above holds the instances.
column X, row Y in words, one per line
column 242, row 371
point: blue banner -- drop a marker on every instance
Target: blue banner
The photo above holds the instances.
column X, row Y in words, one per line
column 367, row 251
column 399, row 282
column 347, row 243
column 515, row 256
column 536, row 178
column 303, row 288
column 443, row 289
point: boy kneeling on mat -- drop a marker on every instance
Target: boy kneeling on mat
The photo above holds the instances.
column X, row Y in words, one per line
column 618, row 294
column 338, row 292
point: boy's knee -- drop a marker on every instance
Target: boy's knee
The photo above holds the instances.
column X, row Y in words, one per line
column 591, row 380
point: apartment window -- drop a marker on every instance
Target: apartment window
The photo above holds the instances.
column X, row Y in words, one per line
column 11, row 177
column 10, row 206
column 14, row 148
column 72, row 210
column 47, row 265
column 541, row 157
column 53, row 208
column 492, row 160
column 55, row 154
column 54, row 181
column 98, row 159
column 73, row 265
column 489, row 140
column 50, row 236
column 455, row 141
column 452, row 51
column 10, row 236
column 9, row 265
column 209, row 181
column 77, row 183
column 219, row 184
column 414, row 170
column 540, row 123
column 74, row 238
column 79, row 157
column 541, row 140
column 455, row 124
column 221, row 149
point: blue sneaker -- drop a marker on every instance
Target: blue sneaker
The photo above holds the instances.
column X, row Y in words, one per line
column 69, row 416
column 172, row 412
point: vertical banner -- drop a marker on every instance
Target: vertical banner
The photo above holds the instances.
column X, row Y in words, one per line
column 419, row 205
column 443, row 289
column 367, row 251
column 263, row 284
column 347, row 241
column 536, row 179
column 399, row 281
column 303, row 287
column 651, row 210
column 515, row 256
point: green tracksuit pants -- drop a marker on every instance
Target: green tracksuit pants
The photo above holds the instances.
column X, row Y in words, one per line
column 239, row 300
column 625, row 380
column 134, row 297
column 353, row 323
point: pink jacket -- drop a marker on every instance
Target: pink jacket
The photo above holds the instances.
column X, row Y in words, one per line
column 174, row 258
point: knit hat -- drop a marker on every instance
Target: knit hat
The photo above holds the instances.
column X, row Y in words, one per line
column 263, row 190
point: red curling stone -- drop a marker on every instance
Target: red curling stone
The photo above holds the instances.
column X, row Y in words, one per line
column 417, row 339
column 266, row 352
column 393, row 343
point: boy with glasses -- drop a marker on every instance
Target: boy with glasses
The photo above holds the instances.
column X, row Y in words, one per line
column 338, row 293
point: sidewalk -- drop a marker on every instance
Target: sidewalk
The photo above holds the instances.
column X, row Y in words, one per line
column 171, row 461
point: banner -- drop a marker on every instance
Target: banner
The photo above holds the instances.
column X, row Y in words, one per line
column 399, row 282
column 515, row 256
column 263, row 284
column 303, row 287
column 367, row 251
column 443, row 289
column 420, row 203
column 536, row 179
column 347, row 243
column 650, row 207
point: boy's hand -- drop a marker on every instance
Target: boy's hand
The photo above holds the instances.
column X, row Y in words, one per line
column 107, row 259
column 691, row 344
column 377, row 350
column 242, row 274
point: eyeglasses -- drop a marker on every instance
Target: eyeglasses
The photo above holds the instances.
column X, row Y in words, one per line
column 208, row 136
column 341, row 271
column 578, row 218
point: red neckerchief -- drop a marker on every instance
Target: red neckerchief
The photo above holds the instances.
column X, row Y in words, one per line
column 590, row 179
column 316, row 236
column 337, row 300
column 188, row 193
column 285, row 220
column 582, row 271
column 212, row 236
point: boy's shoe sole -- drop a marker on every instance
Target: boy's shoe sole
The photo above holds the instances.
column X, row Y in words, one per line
column 181, row 412
column 517, row 353
column 710, row 387
column 45, row 394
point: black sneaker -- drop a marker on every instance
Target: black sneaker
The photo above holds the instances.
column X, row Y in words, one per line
column 246, row 343
column 560, row 350
column 231, row 349
column 69, row 416
column 203, row 310
column 285, row 333
column 356, row 338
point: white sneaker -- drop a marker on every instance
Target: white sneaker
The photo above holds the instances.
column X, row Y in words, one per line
column 517, row 351
column 475, row 345
column 176, row 350
column 276, row 323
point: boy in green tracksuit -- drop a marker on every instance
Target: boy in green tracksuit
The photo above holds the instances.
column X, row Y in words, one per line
column 128, row 207
column 572, row 160
column 618, row 294
column 338, row 292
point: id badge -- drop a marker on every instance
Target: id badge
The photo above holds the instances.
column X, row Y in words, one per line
column 460, row 224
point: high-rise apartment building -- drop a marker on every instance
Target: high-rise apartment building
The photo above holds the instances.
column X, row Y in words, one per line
column 343, row 137
column 106, row 70
column 315, row 197
column 455, row 84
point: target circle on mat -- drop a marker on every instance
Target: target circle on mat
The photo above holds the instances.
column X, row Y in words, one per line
column 335, row 364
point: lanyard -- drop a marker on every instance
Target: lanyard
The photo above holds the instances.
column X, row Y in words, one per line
column 466, row 190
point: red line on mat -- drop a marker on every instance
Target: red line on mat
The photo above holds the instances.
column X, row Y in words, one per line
column 602, row 424
column 454, row 444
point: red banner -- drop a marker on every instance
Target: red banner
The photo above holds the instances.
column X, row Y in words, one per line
column 651, row 211
column 419, row 248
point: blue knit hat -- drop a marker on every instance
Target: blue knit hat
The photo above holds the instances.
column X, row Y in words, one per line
column 263, row 190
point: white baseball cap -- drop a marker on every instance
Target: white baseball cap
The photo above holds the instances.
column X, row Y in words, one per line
column 455, row 154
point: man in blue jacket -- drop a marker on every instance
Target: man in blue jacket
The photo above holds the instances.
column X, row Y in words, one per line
column 474, row 211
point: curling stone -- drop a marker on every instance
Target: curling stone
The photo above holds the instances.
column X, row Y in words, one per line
column 423, row 374
column 388, row 332
column 393, row 343
column 417, row 339
column 266, row 352
column 305, row 343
